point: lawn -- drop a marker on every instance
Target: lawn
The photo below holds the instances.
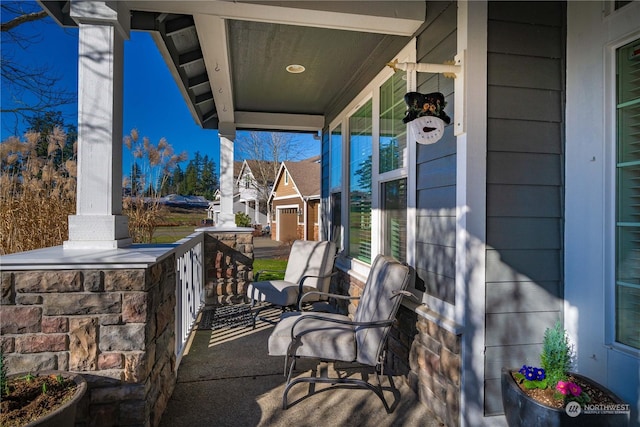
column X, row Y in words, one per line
column 178, row 223
column 269, row 264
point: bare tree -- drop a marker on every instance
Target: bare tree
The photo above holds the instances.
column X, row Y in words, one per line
column 32, row 89
column 268, row 150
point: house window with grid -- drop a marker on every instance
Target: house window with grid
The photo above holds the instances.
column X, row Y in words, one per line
column 360, row 151
column 627, row 288
column 393, row 132
column 394, row 218
column 392, row 167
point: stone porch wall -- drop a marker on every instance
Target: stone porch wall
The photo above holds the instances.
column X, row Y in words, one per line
column 116, row 327
column 427, row 355
column 228, row 266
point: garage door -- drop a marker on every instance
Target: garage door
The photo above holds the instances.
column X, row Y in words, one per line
column 287, row 224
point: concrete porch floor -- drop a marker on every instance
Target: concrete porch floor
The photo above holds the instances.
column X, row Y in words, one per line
column 226, row 378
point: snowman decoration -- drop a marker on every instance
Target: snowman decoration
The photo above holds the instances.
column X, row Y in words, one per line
column 426, row 116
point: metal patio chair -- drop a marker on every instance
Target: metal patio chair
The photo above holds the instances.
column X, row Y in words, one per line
column 309, row 268
column 332, row 338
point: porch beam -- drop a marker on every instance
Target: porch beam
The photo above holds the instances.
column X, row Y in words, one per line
column 190, row 57
column 196, row 81
column 279, row 121
column 216, row 59
column 204, row 97
column 178, row 25
column 401, row 18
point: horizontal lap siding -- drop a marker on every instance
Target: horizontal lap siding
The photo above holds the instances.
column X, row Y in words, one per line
column 525, row 147
column 436, row 164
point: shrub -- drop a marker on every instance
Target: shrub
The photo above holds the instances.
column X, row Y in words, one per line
column 243, row 220
column 556, row 354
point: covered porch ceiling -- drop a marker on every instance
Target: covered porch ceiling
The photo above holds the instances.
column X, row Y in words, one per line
column 229, row 58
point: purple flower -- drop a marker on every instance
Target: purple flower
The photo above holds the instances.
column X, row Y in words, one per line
column 540, row 374
column 574, row 389
column 530, row 375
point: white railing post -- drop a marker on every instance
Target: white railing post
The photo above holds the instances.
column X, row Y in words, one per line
column 189, row 288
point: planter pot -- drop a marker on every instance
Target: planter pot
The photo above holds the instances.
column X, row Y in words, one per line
column 65, row 415
column 522, row 410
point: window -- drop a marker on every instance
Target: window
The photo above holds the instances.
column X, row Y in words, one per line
column 335, row 160
column 286, row 178
column 393, row 133
column 368, row 170
column 627, row 196
column 360, row 149
column 335, row 185
column 394, row 211
column 336, row 219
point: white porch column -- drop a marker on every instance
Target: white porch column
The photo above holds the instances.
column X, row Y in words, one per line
column 256, row 212
column 227, row 132
column 98, row 222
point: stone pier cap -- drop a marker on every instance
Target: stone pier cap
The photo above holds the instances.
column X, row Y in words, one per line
column 60, row 258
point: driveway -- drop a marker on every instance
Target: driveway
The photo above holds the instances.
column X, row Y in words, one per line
column 265, row 248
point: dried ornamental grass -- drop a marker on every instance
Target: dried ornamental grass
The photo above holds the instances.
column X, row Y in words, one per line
column 157, row 164
column 37, row 194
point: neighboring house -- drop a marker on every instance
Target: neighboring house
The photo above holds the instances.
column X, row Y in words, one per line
column 253, row 195
column 523, row 214
column 295, row 201
column 248, row 196
column 213, row 210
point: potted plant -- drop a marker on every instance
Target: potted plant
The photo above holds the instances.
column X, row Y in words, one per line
column 551, row 395
column 48, row 398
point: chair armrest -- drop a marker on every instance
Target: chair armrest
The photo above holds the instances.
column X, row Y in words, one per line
column 373, row 324
column 336, row 296
column 301, row 283
column 265, row 271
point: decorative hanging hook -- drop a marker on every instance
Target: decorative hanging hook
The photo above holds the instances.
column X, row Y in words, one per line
column 448, row 69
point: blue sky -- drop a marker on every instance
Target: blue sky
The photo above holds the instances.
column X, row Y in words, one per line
column 152, row 102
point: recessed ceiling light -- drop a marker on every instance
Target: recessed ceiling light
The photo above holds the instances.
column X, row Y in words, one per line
column 295, row 68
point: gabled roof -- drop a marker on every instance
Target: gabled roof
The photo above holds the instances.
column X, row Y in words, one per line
column 304, row 175
column 251, row 165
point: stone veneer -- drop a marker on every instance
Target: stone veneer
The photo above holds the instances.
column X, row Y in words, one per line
column 115, row 326
column 228, row 266
column 426, row 354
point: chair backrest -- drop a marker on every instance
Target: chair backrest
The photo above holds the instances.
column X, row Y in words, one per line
column 379, row 301
column 311, row 258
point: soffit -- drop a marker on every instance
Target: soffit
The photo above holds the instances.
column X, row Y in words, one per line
column 229, row 57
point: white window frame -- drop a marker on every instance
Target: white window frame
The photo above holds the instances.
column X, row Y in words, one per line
column 355, row 267
column 332, row 128
column 611, row 133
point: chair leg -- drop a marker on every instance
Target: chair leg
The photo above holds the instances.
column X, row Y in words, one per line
column 350, row 382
